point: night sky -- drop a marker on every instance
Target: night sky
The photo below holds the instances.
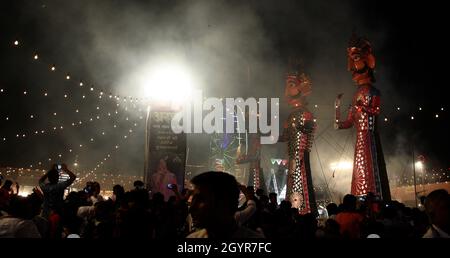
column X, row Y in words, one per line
column 237, row 48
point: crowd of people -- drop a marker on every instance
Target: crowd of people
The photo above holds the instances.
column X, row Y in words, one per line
column 212, row 209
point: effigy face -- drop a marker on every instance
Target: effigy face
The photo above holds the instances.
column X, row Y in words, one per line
column 361, row 62
column 297, row 87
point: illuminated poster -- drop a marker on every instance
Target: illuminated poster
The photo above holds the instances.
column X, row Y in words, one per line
column 165, row 154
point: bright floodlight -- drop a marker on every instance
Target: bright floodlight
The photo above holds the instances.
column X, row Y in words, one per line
column 169, row 83
column 419, row 164
column 341, row 165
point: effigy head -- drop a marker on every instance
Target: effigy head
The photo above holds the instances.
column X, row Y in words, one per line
column 298, row 85
column 361, row 61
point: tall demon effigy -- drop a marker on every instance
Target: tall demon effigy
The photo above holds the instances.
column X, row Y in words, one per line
column 369, row 168
column 298, row 133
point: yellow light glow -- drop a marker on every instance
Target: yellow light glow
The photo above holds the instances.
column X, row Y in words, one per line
column 341, row 165
column 168, row 83
column 419, row 164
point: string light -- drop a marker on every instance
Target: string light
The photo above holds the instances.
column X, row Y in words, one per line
column 16, row 43
column 35, row 56
column 53, row 68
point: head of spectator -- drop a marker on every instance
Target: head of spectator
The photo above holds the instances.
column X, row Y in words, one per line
column 7, row 185
column 285, row 205
column 139, row 185
column 118, row 193
column 96, row 188
column 273, row 198
column 349, row 203
column 53, row 176
column 437, row 207
column 332, row 209
column 214, row 203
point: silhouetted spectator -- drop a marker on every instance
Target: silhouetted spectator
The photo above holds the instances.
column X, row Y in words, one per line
column 213, row 207
column 54, row 197
column 437, row 207
column 244, row 214
column 349, row 219
column 5, row 193
column 332, row 210
column 53, row 190
column 18, row 223
column 118, row 195
column 273, row 202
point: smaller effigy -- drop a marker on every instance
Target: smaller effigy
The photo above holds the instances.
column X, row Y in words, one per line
column 298, row 133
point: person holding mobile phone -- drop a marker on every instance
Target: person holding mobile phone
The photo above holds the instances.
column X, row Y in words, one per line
column 53, row 190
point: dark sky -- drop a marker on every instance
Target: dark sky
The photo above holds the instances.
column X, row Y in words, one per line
column 107, row 42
